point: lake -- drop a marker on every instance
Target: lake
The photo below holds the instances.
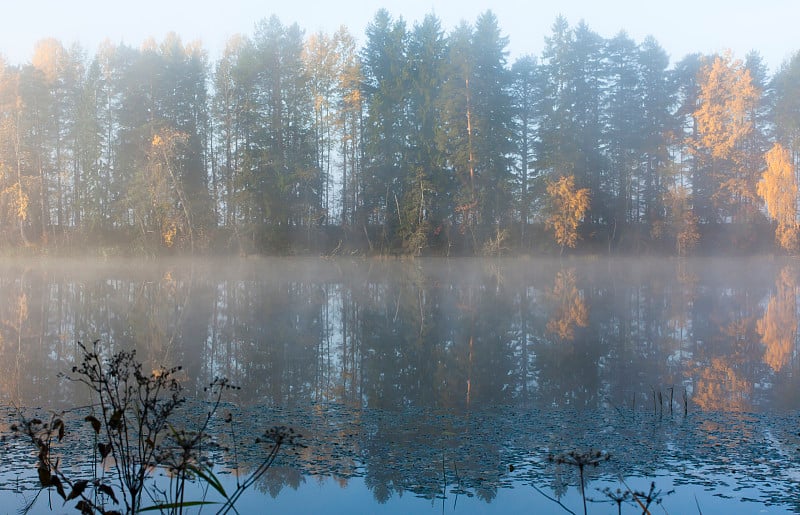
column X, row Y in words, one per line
column 445, row 386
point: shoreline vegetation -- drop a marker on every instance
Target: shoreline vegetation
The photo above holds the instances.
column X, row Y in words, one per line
column 138, row 431
column 336, row 242
column 423, row 140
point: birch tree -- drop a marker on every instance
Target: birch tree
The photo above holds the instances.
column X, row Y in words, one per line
column 568, row 207
column 778, row 188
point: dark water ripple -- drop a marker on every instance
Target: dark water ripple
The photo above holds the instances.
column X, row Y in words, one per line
column 751, row 457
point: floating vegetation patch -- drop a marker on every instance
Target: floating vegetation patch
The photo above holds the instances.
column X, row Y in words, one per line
column 433, row 454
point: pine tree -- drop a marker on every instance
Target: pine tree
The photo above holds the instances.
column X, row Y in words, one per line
column 425, row 206
column 385, row 95
column 527, row 94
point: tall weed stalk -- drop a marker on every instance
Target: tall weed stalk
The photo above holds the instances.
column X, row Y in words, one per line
column 133, row 422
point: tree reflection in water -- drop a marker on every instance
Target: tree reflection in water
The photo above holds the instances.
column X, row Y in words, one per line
column 570, row 309
column 778, row 326
column 391, row 367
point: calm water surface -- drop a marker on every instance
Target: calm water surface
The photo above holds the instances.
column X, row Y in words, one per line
column 444, row 385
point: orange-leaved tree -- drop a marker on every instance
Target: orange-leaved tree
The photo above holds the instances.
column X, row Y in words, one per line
column 568, row 206
column 778, row 188
column 724, row 117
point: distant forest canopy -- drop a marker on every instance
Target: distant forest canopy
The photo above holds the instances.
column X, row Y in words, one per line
column 421, row 141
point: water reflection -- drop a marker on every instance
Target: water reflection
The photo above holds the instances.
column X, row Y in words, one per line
column 391, row 368
column 570, row 308
column 427, row 334
column 778, row 326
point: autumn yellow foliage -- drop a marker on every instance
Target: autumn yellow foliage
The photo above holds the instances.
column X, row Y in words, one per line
column 17, row 201
column 568, row 207
column 14, row 202
column 50, row 57
column 727, row 99
column 169, row 230
column 778, row 188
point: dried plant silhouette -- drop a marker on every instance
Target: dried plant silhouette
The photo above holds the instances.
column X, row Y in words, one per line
column 134, row 420
column 593, row 458
column 581, row 460
column 618, row 497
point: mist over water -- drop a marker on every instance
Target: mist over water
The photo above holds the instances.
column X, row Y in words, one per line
column 426, row 333
column 488, row 361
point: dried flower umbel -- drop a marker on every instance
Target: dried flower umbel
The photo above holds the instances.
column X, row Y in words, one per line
column 581, row 460
column 133, row 421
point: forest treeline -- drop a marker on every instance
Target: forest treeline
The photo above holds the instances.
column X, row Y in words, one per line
column 418, row 141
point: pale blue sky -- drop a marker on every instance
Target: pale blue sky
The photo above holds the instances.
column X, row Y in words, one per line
column 681, row 26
